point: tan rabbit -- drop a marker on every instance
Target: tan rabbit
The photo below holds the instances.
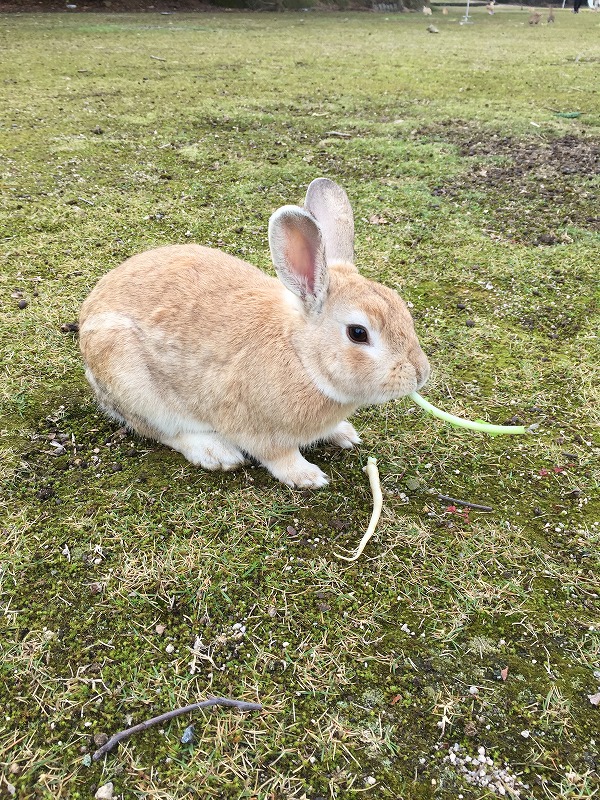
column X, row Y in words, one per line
column 214, row 358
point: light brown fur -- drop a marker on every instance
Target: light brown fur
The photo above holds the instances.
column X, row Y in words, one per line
column 213, row 357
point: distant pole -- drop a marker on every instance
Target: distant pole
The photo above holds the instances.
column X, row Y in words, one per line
column 465, row 20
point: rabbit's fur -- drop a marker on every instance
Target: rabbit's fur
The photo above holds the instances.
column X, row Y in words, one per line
column 214, row 358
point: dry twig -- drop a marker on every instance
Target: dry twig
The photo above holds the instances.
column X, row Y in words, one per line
column 142, row 726
column 456, row 502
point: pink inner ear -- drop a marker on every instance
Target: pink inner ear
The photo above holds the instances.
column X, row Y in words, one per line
column 301, row 257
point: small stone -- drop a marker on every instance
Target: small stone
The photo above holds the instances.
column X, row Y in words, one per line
column 160, row 629
column 525, row 734
column 98, row 130
column 14, row 768
column 470, row 323
column 22, row 304
column 169, row 648
column 100, row 739
column 473, row 690
column 105, row 792
column 188, row 735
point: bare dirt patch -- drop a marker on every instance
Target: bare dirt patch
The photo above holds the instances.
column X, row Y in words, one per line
column 537, row 187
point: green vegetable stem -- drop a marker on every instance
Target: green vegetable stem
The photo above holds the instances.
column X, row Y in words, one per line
column 484, row 427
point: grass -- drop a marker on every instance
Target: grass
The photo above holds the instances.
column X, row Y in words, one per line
column 123, row 569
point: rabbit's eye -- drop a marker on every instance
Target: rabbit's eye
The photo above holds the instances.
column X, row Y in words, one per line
column 357, row 333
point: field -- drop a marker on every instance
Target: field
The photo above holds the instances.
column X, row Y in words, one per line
column 132, row 583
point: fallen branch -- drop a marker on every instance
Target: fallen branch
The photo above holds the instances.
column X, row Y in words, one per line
column 373, row 473
column 142, row 726
column 456, row 502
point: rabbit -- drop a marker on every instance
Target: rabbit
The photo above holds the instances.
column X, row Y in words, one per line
column 216, row 359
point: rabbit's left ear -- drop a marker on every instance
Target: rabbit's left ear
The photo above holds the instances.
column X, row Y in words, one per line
column 298, row 253
column 328, row 203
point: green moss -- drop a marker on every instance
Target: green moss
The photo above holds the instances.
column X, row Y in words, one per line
column 364, row 669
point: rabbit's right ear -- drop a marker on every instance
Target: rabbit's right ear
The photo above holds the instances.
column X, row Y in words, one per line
column 328, row 203
column 298, row 253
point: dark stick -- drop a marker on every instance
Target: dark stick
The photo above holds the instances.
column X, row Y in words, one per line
column 456, row 502
column 213, row 701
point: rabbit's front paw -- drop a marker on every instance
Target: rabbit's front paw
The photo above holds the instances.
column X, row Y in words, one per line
column 344, row 435
column 295, row 471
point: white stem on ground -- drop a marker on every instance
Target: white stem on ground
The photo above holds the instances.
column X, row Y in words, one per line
column 373, row 473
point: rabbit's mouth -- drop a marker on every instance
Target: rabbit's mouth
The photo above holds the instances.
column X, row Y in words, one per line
column 422, row 373
column 404, row 379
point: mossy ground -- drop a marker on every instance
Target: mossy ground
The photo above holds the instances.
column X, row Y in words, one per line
column 125, row 132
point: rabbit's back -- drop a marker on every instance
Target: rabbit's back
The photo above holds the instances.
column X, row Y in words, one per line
column 169, row 285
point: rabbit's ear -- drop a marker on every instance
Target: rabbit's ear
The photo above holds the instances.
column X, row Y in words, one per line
column 298, row 254
column 329, row 205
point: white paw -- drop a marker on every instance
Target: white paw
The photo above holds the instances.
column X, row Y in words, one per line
column 309, row 477
column 344, row 435
column 295, row 471
column 208, row 451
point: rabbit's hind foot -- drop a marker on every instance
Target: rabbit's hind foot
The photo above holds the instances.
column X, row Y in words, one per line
column 207, row 450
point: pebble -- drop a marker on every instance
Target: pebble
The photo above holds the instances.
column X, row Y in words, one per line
column 480, row 771
column 23, row 304
column 473, row 690
column 169, row 648
column 105, row 792
column 188, row 735
column 100, row 739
